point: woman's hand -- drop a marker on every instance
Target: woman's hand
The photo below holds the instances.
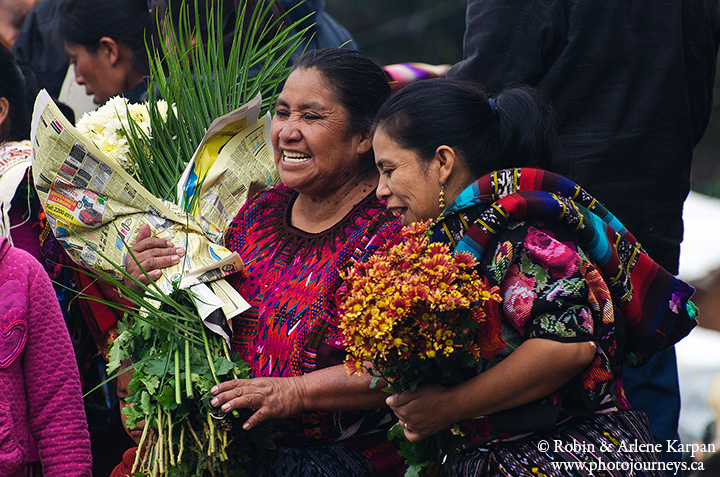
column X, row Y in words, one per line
column 326, row 389
column 537, row 368
column 272, row 397
column 153, row 254
column 413, row 410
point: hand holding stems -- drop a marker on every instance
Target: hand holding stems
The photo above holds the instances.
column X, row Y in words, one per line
column 152, row 254
column 536, row 369
column 272, row 397
column 412, row 409
column 327, row 389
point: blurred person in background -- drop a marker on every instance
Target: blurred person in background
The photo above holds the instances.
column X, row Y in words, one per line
column 42, row 420
column 105, row 43
column 12, row 15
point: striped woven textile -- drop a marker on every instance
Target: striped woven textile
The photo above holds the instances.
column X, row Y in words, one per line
column 597, row 445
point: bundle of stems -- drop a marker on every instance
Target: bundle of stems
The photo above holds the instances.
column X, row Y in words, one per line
column 175, row 363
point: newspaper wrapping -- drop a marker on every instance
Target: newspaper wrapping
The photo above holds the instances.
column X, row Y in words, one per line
column 95, row 208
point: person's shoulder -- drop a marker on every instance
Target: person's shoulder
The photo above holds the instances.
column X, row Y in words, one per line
column 257, row 206
column 16, row 150
column 276, row 193
column 377, row 220
column 125, row 467
column 15, row 258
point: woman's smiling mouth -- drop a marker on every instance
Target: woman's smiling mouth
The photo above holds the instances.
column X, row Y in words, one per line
column 295, row 157
column 398, row 211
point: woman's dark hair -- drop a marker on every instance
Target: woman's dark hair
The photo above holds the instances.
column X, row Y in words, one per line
column 513, row 130
column 128, row 22
column 12, row 88
column 360, row 84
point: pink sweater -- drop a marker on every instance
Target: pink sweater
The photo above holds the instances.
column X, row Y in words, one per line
column 41, row 408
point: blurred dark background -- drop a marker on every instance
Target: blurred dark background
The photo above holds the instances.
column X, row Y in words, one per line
column 396, row 31
column 431, row 31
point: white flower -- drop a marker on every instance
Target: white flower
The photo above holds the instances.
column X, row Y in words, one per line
column 107, row 126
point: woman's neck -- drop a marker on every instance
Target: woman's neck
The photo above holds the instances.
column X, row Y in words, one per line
column 316, row 214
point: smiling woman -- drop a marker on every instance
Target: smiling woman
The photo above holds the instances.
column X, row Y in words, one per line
column 294, row 239
column 105, row 43
column 548, row 386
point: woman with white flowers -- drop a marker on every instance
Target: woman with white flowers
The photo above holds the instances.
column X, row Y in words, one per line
column 294, row 238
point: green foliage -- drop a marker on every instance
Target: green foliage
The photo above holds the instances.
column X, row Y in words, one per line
column 201, row 83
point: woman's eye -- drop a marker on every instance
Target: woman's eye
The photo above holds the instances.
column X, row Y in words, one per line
column 280, row 113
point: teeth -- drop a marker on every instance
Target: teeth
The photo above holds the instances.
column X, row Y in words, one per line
column 295, row 156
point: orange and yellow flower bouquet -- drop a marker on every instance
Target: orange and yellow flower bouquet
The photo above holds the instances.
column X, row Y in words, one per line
column 411, row 315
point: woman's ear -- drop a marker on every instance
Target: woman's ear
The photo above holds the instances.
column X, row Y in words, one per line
column 365, row 143
column 4, row 118
column 447, row 160
column 109, row 50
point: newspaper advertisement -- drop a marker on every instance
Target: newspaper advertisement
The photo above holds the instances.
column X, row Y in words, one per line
column 96, row 209
column 227, row 170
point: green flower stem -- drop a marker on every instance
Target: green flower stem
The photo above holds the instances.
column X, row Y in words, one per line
column 235, row 412
column 209, row 355
column 170, row 436
column 178, row 398
column 188, row 374
column 160, row 442
column 154, row 471
column 227, row 355
column 223, row 437
column 194, row 434
column 140, row 446
column 182, row 444
column 211, row 434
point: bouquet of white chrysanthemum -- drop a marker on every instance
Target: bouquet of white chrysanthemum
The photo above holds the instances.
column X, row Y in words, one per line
column 109, row 128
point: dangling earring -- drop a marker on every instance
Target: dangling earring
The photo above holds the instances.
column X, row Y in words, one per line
column 442, row 197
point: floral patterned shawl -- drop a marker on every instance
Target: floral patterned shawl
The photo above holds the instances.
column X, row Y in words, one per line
column 568, row 271
column 655, row 306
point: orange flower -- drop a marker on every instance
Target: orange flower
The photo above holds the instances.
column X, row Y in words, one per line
column 413, row 305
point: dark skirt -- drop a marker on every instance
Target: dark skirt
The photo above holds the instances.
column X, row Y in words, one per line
column 616, row 444
column 329, row 460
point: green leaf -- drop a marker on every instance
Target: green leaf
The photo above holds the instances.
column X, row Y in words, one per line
column 119, row 351
column 156, row 366
column 134, row 415
column 147, row 407
column 223, row 366
column 166, row 399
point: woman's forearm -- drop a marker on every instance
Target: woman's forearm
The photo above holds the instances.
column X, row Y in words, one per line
column 334, row 389
column 535, row 369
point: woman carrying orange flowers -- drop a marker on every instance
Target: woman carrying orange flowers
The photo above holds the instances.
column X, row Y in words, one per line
column 580, row 297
